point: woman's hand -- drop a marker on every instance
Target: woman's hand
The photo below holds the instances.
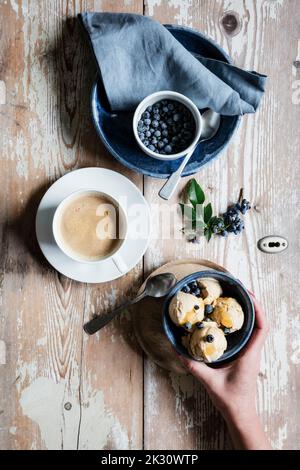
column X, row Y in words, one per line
column 232, row 388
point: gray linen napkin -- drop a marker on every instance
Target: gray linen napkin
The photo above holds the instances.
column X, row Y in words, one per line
column 138, row 56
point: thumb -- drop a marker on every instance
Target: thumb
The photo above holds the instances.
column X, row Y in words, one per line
column 198, row 369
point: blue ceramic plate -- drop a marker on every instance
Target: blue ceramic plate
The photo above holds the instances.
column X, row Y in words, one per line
column 231, row 288
column 115, row 129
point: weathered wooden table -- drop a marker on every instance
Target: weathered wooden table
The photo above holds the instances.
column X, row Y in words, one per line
column 61, row 389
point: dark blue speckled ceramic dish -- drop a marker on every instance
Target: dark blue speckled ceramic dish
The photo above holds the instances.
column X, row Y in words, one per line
column 115, row 129
column 231, row 288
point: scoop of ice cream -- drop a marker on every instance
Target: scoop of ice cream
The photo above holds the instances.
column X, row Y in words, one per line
column 208, row 343
column 210, row 289
column 186, row 308
column 228, row 313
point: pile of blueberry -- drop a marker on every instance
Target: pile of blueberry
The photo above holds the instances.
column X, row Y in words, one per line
column 167, row 127
column 231, row 221
column 192, row 288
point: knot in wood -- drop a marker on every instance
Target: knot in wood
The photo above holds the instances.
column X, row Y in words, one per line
column 231, row 23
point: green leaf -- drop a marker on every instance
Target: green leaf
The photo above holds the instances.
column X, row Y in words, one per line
column 195, row 193
column 213, row 220
column 207, row 213
column 208, row 234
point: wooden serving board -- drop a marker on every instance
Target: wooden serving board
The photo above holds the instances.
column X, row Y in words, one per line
column 147, row 316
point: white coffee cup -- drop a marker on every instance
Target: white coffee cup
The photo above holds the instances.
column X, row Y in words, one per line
column 114, row 256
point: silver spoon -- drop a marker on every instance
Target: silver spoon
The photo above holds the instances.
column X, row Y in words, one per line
column 156, row 286
column 210, row 126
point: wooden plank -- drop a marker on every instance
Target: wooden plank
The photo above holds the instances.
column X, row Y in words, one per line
column 263, row 159
column 59, row 388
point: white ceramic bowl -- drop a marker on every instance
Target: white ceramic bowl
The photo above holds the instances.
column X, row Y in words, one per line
column 167, row 95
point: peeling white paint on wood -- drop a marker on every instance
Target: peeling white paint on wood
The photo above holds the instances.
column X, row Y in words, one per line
column 183, row 14
column 42, row 402
column 2, row 353
column 297, row 60
column 13, row 430
column 2, row 92
column 98, row 425
column 184, row 389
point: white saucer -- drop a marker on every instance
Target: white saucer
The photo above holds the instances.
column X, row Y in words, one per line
column 111, row 183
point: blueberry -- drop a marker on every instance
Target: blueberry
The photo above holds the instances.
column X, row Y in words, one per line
column 170, row 106
column 157, row 133
column 168, row 148
column 146, row 115
column 149, row 109
column 156, row 117
column 188, row 325
column 224, row 233
column 163, row 125
column 165, row 109
column 151, row 147
column 210, row 338
column 160, row 144
column 193, row 285
column 200, row 325
column 154, row 141
column 142, row 136
column 146, row 142
column 232, row 211
column 140, row 123
column 147, row 122
column 170, row 121
column 196, row 307
column 148, row 134
column 186, row 289
column 187, row 135
column 155, row 123
column 165, row 133
column 176, row 117
column 165, row 141
column 231, row 218
column 208, row 309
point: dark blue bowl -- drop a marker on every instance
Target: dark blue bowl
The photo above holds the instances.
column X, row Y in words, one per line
column 115, row 129
column 231, row 288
